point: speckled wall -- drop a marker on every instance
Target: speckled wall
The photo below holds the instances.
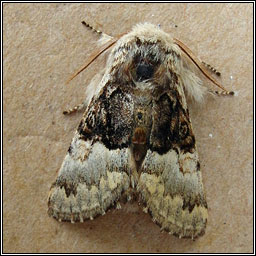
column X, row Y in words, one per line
column 43, row 45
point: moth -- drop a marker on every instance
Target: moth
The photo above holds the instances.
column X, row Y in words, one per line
column 135, row 139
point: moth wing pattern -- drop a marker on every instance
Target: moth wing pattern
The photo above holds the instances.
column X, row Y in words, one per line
column 136, row 137
column 170, row 183
column 175, row 201
column 92, row 177
column 89, row 182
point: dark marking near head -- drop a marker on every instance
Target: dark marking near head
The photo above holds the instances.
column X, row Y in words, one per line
column 139, row 115
column 144, row 71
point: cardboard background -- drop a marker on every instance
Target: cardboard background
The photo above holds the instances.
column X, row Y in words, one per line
column 43, row 45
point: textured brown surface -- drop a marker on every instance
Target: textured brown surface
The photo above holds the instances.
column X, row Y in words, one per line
column 43, row 45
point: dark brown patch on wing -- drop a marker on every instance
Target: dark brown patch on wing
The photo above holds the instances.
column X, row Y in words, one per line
column 190, row 203
column 171, row 125
column 70, row 188
column 110, row 120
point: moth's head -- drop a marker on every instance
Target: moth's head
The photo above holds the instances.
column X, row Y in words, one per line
column 144, row 64
column 144, row 71
column 146, row 54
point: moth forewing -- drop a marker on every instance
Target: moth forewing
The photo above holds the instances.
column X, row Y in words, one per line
column 170, row 182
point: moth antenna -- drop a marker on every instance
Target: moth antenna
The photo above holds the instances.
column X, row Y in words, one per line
column 198, row 63
column 92, row 28
column 93, row 57
column 211, row 68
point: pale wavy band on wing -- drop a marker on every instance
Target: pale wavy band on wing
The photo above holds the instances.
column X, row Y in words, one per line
column 173, row 195
column 90, row 181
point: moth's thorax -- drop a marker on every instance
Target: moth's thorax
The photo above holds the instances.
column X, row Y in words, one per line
column 142, row 117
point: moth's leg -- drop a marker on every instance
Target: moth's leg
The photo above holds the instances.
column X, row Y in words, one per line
column 219, row 93
column 104, row 37
column 211, row 68
column 92, row 28
column 79, row 107
column 222, row 93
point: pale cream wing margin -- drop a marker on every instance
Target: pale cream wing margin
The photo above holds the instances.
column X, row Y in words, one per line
column 90, row 180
